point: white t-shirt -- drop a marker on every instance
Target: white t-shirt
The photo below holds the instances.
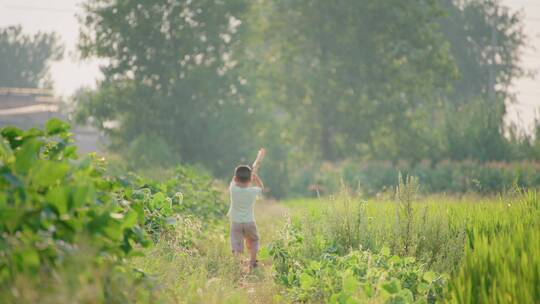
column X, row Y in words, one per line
column 242, row 199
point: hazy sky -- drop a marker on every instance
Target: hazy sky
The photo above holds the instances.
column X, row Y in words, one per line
column 69, row 74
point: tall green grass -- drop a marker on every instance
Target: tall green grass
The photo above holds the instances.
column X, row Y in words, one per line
column 488, row 247
column 503, row 266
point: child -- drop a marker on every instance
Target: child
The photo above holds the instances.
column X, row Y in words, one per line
column 243, row 195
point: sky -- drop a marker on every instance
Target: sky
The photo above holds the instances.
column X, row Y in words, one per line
column 70, row 74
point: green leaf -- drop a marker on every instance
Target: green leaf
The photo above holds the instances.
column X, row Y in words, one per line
column 158, row 200
column 6, row 154
column 392, row 286
column 306, row 281
column 429, row 276
column 409, row 260
column 27, row 155
column 139, row 209
column 349, row 281
column 30, row 258
column 70, row 152
column 385, row 251
column 368, row 289
column 46, row 173
column 82, row 195
column 422, row 287
column 130, row 219
column 12, row 135
column 407, row 295
column 352, row 301
column 264, row 253
column 10, row 217
column 315, row 265
column 56, row 126
column 113, row 230
column 58, row 198
column 394, row 259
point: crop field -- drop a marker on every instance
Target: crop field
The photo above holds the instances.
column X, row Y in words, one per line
column 363, row 151
column 74, row 232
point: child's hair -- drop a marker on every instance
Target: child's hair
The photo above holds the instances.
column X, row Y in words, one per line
column 242, row 173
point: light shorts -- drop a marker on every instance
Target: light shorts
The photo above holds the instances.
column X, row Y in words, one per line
column 241, row 231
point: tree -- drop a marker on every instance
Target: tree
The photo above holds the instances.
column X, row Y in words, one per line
column 486, row 41
column 171, row 73
column 347, row 70
column 24, row 59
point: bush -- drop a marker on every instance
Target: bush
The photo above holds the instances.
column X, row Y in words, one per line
column 50, row 201
column 56, row 207
column 189, row 192
column 487, row 250
column 357, row 277
column 445, row 177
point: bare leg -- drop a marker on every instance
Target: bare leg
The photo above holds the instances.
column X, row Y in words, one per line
column 237, row 254
column 253, row 256
column 252, row 252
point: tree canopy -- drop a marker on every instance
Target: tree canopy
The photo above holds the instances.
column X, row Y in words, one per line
column 311, row 80
column 25, row 59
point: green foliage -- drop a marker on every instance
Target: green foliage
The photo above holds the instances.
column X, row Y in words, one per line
column 373, row 178
column 349, row 71
column 147, row 151
column 357, row 277
column 432, row 232
column 503, row 267
column 208, row 82
column 176, row 76
column 189, row 192
column 51, row 201
column 476, row 251
column 24, row 59
column 56, row 207
column 406, row 194
column 470, row 27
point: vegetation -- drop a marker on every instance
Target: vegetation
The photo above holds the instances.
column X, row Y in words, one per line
column 24, row 59
column 429, row 250
column 389, row 114
column 70, row 229
column 501, row 263
column 377, row 178
column 59, row 211
column 312, row 81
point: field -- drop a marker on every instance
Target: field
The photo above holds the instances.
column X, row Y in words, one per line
column 348, row 250
column 73, row 231
column 401, row 146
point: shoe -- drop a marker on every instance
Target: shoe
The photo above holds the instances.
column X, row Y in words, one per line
column 254, row 264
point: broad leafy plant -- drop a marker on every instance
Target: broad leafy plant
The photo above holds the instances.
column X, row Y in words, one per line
column 357, row 277
column 51, row 201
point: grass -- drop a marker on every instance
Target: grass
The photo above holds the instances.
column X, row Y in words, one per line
column 479, row 243
column 485, row 248
column 206, row 271
column 435, row 230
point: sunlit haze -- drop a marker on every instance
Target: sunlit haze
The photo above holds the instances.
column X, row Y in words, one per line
column 70, row 74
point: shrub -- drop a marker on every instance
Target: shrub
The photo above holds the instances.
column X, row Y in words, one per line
column 56, row 207
column 357, row 277
column 50, row 201
column 372, row 178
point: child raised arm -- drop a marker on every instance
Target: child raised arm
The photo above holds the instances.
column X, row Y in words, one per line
column 255, row 178
column 258, row 160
